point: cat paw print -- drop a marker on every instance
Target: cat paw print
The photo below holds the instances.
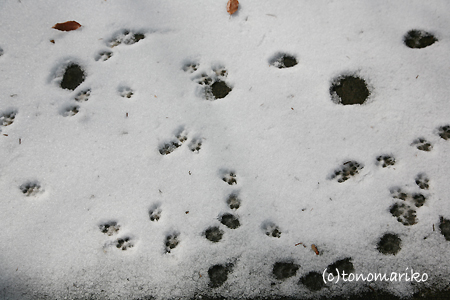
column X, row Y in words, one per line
column 155, row 213
column 195, row 145
column 347, row 170
column 70, row 111
column 272, row 230
column 126, row 37
column 385, row 161
column 212, row 82
column 422, row 144
column 83, row 96
column 124, row 243
column 283, row 60
column 233, row 201
column 405, row 211
column 444, row 132
column 103, row 56
column 125, row 92
column 7, row 118
column 109, row 228
column 171, row 241
column 171, row 146
column 31, row 188
column 422, row 181
column 230, row 178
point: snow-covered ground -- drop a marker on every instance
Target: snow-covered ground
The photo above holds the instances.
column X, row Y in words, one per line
column 207, row 154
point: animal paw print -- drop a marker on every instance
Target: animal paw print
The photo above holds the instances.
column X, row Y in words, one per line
column 272, row 230
column 444, row 132
column 168, row 148
column 233, row 201
column 214, row 234
column 230, row 178
column 195, row 145
column 422, row 144
column 71, row 111
column 230, row 220
column 109, row 228
column 385, row 161
column 422, row 181
column 171, row 242
column 283, row 60
column 83, row 96
column 103, row 56
column 31, row 188
column 212, row 82
column 190, row 67
column 348, row 169
column 405, row 211
column 125, row 37
column 125, row 92
column 124, row 243
column 155, row 213
column 7, row 118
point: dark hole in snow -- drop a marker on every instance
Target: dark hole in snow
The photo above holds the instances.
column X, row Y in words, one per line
column 284, row 270
column 218, row 274
column 342, row 265
column 220, row 89
column 73, row 77
column 313, row 281
column 445, row 228
column 349, row 90
column 214, row 234
column 418, row 39
column 230, row 221
column 389, row 244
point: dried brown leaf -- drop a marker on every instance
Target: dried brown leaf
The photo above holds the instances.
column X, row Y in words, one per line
column 232, row 6
column 67, row 26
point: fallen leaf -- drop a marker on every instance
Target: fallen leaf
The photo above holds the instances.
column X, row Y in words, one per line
column 232, row 6
column 67, row 26
column 315, row 249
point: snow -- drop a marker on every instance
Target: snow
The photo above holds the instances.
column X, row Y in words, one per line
column 278, row 131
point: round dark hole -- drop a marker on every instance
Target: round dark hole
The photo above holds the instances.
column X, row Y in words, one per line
column 230, row 221
column 389, row 244
column 350, row 90
column 214, row 234
column 418, row 39
column 220, row 89
column 73, row 77
column 444, row 226
column 313, row 281
column 284, row 270
column 218, row 274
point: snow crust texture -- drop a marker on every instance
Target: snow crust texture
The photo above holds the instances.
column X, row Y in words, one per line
column 173, row 151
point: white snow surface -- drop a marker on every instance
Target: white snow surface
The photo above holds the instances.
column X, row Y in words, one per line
column 278, row 131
